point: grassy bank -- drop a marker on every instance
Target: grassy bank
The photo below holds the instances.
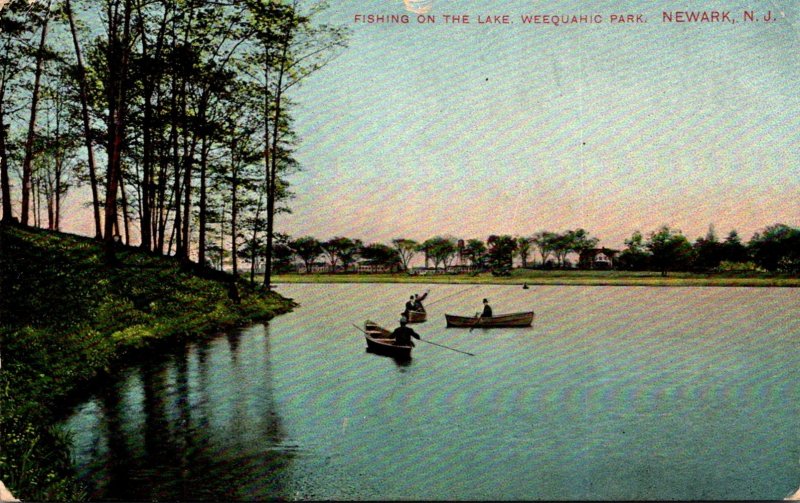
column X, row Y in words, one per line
column 561, row 277
column 67, row 318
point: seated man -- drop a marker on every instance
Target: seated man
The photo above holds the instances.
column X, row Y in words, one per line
column 409, row 307
column 487, row 309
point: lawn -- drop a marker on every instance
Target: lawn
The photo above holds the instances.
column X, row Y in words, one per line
column 558, row 277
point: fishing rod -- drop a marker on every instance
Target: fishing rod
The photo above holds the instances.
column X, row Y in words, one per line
column 452, row 294
column 447, row 347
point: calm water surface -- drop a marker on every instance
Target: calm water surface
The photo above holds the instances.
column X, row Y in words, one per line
column 614, row 393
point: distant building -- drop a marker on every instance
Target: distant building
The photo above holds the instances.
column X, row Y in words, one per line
column 597, row 258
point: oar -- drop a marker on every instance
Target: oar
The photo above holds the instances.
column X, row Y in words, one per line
column 478, row 320
column 447, row 347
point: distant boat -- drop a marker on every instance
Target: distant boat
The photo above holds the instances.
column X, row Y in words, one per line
column 417, row 316
column 380, row 340
column 501, row 320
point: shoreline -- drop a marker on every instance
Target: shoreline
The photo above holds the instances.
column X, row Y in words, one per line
column 558, row 278
column 70, row 319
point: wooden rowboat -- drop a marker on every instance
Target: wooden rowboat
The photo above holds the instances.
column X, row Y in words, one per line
column 417, row 316
column 380, row 340
column 501, row 320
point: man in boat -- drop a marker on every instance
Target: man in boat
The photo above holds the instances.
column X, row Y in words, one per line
column 418, row 301
column 487, row 309
column 409, row 307
column 402, row 335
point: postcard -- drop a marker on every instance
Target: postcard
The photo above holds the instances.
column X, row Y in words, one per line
column 408, row 249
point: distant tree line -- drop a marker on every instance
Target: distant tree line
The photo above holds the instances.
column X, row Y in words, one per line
column 774, row 249
column 176, row 118
column 175, row 115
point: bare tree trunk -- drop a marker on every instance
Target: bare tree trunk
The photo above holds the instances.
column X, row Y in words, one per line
column 26, row 163
column 253, row 252
column 173, row 141
column 148, row 187
column 5, row 183
column 118, row 56
column 272, row 173
column 267, row 178
column 201, row 234
column 125, row 215
column 188, row 160
column 57, row 216
column 273, row 189
column 183, row 247
column 234, row 207
column 87, row 132
column 34, row 195
column 162, row 203
column 51, row 203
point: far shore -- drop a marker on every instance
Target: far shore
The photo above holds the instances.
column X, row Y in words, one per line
column 556, row 277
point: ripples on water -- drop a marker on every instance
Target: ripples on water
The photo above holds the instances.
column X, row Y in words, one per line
column 614, row 393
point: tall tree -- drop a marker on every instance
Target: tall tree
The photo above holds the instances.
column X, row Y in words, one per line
column 670, row 250
column 733, row 250
column 544, row 241
column 308, row 249
column 709, row 251
column 87, row 130
column 15, row 29
column 442, row 250
column 34, row 108
column 523, row 249
column 406, row 248
column 777, row 248
column 475, row 252
column 289, row 48
column 118, row 54
column 635, row 256
column 501, row 254
column 55, row 168
column 335, row 247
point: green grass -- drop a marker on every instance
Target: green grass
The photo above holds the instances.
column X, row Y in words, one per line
column 68, row 318
column 560, row 277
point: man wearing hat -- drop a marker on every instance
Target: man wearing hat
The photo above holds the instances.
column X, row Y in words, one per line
column 402, row 335
column 487, row 309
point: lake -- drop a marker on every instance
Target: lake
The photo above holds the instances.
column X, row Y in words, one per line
column 614, row 393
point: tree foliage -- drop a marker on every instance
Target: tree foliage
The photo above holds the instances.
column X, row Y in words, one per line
column 308, row 249
column 441, row 250
column 501, row 254
column 406, row 249
column 670, row 250
column 777, row 248
column 380, row 255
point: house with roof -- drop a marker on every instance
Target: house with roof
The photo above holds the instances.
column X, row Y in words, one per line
column 597, row 258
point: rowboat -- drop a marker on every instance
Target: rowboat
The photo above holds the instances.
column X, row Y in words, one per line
column 501, row 320
column 417, row 316
column 380, row 340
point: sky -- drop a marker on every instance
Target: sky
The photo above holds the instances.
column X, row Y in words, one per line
column 424, row 129
column 472, row 129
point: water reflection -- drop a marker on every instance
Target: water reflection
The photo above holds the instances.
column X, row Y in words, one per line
column 624, row 393
column 198, row 424
column 400, row 361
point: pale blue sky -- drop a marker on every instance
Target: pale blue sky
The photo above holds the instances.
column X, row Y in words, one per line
column 418, row 130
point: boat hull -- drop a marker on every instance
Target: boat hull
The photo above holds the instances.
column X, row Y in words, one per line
column 379, row 341
column 417, row 316
column 512, row 320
